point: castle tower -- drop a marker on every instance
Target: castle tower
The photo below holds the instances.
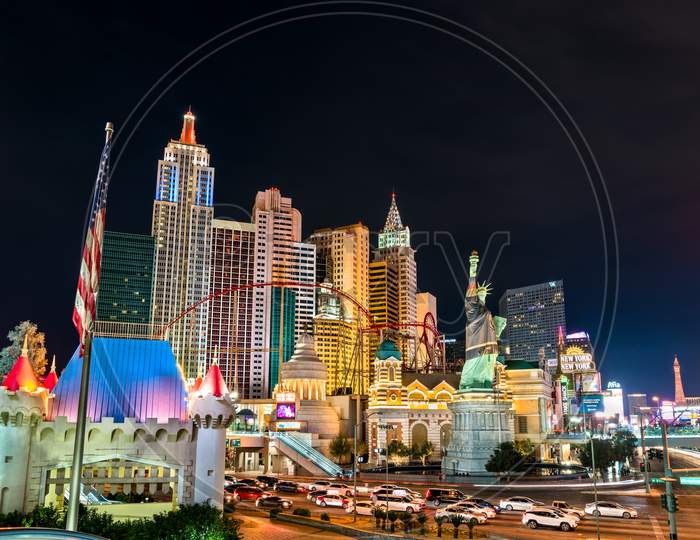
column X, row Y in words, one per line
column 212, row 412
column 680, row 395
column 23, row 404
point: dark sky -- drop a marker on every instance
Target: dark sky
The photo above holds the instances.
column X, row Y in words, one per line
column 339, row 111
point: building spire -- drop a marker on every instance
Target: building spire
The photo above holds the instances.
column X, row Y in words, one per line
column 680, row 395
column 393, row 219
column 188, row 135
column 25, row 348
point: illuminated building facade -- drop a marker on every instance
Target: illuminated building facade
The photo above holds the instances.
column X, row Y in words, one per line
column 280, row 256
column 231, row 315
column 282, row 339
column 426, row 307
column 334, row 339
column 126, row 278
column 181, row 226
column 534, row 314
column 342, row 258
column 394, row 247
column 614, row 402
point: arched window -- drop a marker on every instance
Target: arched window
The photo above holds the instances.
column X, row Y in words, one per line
column 419, row 434
column 392, row 373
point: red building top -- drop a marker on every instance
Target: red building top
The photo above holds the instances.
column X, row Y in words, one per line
column 51, row 379
column 213, row 383
column 188, row 135
column 21, row 376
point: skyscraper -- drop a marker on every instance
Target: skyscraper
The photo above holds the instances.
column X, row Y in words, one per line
column 394, row 247
column 126, row 278
column 679, row 393
column 534, row 315
column 342, row 258
column 280, row 257
column 426, row 304
column 182, row 215
column 383, row 293
column 231, row 315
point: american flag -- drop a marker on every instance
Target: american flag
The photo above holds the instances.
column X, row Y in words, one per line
column 89, row 277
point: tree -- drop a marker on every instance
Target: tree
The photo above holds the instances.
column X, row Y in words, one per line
column 35, row 344
column 525, row 448
column 604, row 454
column 397, row 448
column 422, row 451
column 340, row 447
column 624, row 445
column 457, row 520
column 504, row 458
column 392, row 516
column 439, row 521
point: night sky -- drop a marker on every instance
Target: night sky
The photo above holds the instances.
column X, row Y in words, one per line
column 339, row 111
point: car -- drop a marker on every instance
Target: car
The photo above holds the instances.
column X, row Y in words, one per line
column 251, row 482
column 559, row 511
column 473, row 508
column 566, row 507
column 448, row 513
column 546, row 517
column 402, row 503
column 390, row 487
column 364, row 508
column 248, row 493
column 331, row 499
column 267, row 481
column 437, row 496
column 319, row 485
column 610, row 509
column 483, row 503
column 313, row 495
column 274, row 501
column 340, row 489
column 289, row 487
column 415, row 495
column 232, row 486
column 519, row 503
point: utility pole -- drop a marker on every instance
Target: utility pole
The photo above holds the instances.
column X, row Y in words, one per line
column 354, row 479
column 645, row 464
column 668, row 480
column 595, row 483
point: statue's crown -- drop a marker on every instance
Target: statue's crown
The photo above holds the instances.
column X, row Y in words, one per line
column 484, row 287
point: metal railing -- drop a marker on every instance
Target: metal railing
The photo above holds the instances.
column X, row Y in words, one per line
column 310, row 453
column 115, row 329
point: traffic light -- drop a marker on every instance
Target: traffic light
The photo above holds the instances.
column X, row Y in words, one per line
column 664, row 504
column 363, row 458
column 673, row 504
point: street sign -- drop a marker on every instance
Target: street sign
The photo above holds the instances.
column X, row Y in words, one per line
column 236, row 442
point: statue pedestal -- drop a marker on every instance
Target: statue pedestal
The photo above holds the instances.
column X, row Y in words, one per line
column 480, row 422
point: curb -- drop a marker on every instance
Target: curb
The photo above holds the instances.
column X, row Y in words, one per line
column 340, row 529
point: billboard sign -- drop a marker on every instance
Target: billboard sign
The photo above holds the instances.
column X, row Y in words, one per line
column 587, row 383
column 591, row 403
column 577, row 363
column 286, row 411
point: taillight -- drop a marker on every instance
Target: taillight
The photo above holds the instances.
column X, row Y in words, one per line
column 427, row 493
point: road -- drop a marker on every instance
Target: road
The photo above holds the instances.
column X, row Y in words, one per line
column 257, row 526
column 652, row 521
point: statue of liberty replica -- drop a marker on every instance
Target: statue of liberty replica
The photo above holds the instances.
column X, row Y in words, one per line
column 482, row 415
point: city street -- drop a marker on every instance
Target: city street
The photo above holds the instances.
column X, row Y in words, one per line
column 650, row 524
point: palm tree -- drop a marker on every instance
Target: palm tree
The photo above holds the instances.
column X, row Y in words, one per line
column 457, row 520
column 406, row 519
column 421, row 519
column 378, row 514
column 439, row 520
column 471, row 524
column 340, row 447
column 392, row 516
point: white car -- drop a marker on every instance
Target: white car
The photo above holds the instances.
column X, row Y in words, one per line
column 319, row 485
column 610, row 509
column 519, row 503
column 447, row 513
column 333, row 500
column 473, row 508
column 546, row 517
column 388, row 487
column 339, row 489
column 566, row 507
column 364, row 508
column 402, row 503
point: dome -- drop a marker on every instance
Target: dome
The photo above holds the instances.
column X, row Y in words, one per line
column 388, row 349
column 305, row 363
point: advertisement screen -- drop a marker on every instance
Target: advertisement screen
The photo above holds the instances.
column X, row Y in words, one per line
column 286, row 411
column 587, row 383
column 591, row 404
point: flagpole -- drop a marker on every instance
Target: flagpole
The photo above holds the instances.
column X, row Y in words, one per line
column 81, row 419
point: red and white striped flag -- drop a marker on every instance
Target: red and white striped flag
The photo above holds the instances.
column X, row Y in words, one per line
column 89, row 277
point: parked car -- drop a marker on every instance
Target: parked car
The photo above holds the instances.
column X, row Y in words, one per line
column 313, row 495
column 438, row 496
column 610, row 509
column 332, row 500
column 483, row 503
column 251, row 482
column 288, row 486
column 319, row 485
column 402, row 503
column 248, row 493
column 566, row 507
column 268, row 481
column 473, row 508
column 364, row 508
column 274, row 501
column 546, row 517
column 340, row 489
column 519, row 503
column 447, row 514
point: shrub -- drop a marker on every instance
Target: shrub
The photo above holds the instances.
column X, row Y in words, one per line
column 325, row 517
column 274, row 512
column 421, row 519
column 302, row 512
column 13, row 519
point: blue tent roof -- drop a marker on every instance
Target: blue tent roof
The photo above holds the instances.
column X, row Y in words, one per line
column 129, row 378
column 387, row 349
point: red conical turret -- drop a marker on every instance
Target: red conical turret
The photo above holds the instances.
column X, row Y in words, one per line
column 188, row 136
column 213, row 383
column 51, row 379
column 21, row 376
